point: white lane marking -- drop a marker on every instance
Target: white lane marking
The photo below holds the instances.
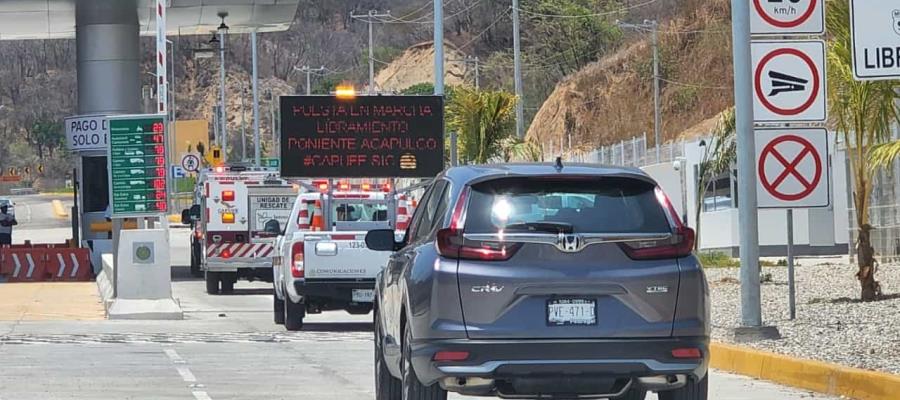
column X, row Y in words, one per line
column 186, row 374
column 173, row 355
column 201, row 396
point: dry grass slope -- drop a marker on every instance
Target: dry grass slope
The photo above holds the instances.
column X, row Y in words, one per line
column 612, row 99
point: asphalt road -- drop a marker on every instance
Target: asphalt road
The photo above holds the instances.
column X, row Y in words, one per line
column 226, row 348
column 37, row 221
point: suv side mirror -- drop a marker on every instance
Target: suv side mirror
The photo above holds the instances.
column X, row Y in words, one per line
column 381, row 240
column 273, row 227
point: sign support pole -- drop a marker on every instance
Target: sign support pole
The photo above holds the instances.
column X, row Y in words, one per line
column 116, row 229
column 747, row 214
column 792, row 291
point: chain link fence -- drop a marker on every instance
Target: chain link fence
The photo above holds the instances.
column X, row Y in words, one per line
column 884, row 214
column 632, row 152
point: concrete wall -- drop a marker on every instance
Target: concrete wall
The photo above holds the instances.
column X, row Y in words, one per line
column 816, row 231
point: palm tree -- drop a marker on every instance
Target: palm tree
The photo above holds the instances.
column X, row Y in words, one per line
column 718, row 157
column 483, row 119
column 862, row 112
column 515, row 149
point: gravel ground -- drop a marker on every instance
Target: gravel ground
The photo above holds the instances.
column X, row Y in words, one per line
column 831, row 324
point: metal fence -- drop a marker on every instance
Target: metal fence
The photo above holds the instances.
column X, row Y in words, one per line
column 632, row 152
column 884, row 214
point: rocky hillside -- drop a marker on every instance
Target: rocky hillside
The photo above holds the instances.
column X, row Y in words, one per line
column 416, row 65
column 612, row 99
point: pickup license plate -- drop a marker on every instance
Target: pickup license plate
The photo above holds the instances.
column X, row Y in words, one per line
column 562, row 312
column 363, row 295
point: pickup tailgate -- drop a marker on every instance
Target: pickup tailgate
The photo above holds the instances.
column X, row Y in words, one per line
column 341, row 255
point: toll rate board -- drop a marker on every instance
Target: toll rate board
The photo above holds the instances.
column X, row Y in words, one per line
column 137, row 166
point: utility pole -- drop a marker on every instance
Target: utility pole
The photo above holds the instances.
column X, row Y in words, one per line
column 438, row 47
column 370, row 19
column 223, row 119
column 657, row 119
column 477, row 79
column 653, row 26
column 254, row 55
column 243, row 126
column 309, row 71
column 517, row 56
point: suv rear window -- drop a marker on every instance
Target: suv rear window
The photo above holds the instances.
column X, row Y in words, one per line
column 570, row 205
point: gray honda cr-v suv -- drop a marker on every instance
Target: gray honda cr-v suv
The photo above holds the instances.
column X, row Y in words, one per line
column 542, row 281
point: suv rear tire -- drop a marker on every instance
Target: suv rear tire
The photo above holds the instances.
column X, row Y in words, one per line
column 693, row 390
column 293, row 314
column 278, row 309
column 212, row 282
column 412, row 388
column 386, row 386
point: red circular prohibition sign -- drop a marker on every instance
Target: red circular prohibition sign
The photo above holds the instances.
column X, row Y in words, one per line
column 758, row 81
column 785, row 24
column 790, row 168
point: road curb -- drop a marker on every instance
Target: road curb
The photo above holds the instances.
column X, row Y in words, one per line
column 59, row 210
column 821, row 377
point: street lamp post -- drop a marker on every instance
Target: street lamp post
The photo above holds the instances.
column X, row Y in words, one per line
column 222, row 31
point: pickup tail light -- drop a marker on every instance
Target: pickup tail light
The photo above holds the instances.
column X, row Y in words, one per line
column 451, row 243
column 297, row 260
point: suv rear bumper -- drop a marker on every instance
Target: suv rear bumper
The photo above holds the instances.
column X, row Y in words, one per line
column 513, row 359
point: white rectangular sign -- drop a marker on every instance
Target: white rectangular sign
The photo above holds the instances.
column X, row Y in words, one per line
column 875, row 26
column 787, row 17
column 792, row 168
column 789, row 81
column 88, row 132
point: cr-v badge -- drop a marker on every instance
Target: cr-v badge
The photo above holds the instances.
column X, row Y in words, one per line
column 489, row 288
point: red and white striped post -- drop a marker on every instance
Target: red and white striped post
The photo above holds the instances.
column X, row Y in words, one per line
column 161, row 73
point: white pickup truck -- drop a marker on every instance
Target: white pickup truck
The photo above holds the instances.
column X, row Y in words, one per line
column 329, row 267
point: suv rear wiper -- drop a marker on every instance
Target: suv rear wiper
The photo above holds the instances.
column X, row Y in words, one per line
column 552, row 227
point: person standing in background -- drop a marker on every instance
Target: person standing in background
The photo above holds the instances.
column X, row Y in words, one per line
column 7, row 221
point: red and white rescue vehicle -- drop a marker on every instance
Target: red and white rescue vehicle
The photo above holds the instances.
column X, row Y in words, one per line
column 242, row 210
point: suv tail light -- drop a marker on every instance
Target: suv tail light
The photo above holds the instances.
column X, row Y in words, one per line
column 297, row 260
column 451, row 243
column 681, row 243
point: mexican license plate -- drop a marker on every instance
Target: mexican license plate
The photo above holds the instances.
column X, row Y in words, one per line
column 561, row 312
column 363, row 295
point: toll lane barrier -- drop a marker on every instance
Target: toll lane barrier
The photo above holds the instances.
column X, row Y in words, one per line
column 45, row 264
